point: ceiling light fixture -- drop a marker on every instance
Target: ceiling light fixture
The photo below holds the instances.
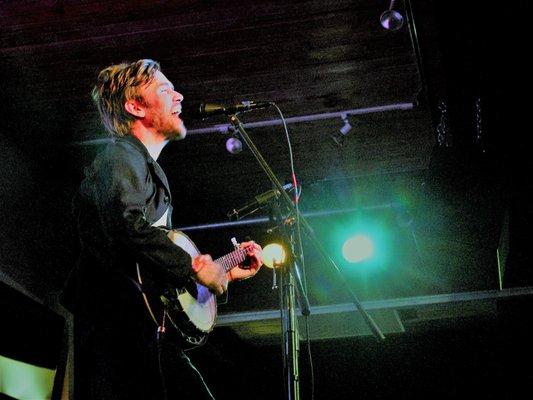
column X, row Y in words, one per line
column 346, row 127
column 338, row 137
column 391, row 19
column 233, row 144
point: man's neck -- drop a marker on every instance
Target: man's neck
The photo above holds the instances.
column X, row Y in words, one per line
column 154, row 143
column 155, row 149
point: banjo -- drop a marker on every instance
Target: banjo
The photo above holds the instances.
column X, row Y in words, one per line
column 191, row 310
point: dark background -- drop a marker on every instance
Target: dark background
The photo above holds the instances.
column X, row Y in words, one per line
column 452, row 187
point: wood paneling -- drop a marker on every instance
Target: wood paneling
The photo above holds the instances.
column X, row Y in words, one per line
column 308, row 56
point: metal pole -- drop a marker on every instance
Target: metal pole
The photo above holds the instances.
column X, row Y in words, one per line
column 291, row 339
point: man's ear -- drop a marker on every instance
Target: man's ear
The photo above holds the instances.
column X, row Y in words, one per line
column 134, row 108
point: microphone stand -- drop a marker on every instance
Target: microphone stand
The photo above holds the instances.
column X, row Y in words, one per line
column 290, row 284
column 291, row 276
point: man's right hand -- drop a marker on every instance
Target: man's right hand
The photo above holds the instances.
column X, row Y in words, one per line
column 210, row 274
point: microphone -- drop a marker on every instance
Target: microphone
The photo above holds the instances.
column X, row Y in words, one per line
column 204, row 110
column 258, row 202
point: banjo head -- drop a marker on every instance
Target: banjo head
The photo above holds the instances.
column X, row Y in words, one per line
column 196, row 300
column 200, row 307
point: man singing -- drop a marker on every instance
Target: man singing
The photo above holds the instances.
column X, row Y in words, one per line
column 122, row 205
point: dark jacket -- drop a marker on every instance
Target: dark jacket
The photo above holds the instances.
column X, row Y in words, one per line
column 117, row 353
column 124, row 192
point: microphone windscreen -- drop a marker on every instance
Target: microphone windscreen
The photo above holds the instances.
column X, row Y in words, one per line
column 191, row 111
column 211, row 109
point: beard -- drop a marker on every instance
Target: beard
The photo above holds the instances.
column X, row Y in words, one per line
column 177, row 133
column 172, row 128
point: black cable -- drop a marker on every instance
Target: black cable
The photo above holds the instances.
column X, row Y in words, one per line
column 159, row 345
column 311, row 367
column 183, row 355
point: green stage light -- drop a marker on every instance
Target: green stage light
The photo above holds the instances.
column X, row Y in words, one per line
column 358, row 248
column 360, row 243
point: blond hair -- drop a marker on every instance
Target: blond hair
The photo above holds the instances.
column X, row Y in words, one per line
column 118, row 84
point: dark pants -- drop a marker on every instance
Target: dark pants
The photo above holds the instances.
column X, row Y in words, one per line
column 123, row 359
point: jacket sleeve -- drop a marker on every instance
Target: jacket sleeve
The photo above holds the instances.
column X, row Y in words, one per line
column 123, row 187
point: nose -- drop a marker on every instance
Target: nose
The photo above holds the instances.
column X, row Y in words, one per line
column 178, row 96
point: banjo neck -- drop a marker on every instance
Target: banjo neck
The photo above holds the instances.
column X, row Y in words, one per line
column 231, row 260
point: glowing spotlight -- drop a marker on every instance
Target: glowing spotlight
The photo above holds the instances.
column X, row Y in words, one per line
column 273, row 255
column 358, row 248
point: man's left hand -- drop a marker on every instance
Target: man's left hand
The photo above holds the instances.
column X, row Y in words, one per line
column 255, row 254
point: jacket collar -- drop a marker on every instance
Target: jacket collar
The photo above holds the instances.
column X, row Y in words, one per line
column 136, row 143
column 144, row 151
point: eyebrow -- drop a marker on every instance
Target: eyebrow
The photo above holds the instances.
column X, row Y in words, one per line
column 170, row 85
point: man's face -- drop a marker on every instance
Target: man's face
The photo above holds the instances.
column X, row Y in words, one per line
column 162, row 108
